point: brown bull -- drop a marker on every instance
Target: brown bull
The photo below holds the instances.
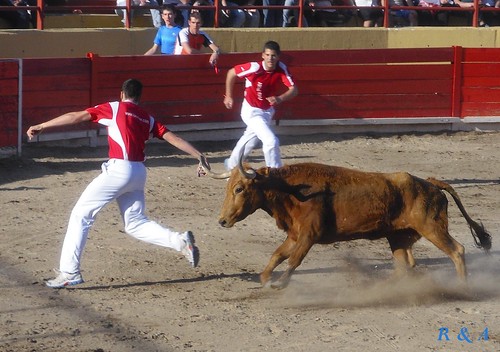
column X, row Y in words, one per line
column 315, row 203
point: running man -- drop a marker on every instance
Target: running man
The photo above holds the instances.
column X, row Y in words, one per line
column 123, row 178
column 263, row 80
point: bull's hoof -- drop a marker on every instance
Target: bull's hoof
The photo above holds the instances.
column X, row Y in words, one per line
column 265, row 280
column 279, row 285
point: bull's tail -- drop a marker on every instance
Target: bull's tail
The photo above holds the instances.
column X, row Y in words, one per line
column 481, row 237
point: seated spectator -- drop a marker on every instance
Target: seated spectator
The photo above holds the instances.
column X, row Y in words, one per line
column 155, row 14
column 20, row 19
column 433, row 17
column 191, row 40
column 402, row 18
column 273, row 17
column 441, row 17
column 231, row 17
column 290, row 16
column 370, row 17
column 238, row 18
column 324, row 17
column 253, row 16
column 166, row 37
column 207, row 15
column 491, row 18
column 470, row 4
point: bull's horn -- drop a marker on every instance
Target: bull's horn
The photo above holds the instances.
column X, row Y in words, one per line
column 209, row 172
column 250, row 174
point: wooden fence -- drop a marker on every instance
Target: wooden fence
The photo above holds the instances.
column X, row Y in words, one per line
column 347, row 85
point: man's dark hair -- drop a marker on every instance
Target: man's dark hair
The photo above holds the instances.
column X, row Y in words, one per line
column 132, row 89
column 195, row 15
column 272, row 45
column 169, row 8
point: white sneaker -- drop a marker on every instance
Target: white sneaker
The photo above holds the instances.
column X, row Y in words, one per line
column 64, row 279
column 190, row 251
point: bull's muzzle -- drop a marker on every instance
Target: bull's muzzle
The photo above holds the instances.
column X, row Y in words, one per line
column 224, row 223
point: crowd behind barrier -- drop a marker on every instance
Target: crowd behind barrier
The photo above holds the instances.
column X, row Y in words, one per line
column 23, row 14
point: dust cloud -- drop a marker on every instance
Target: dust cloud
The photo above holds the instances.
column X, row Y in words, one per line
column 422, row 287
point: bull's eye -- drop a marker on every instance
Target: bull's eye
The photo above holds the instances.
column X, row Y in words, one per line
column 238, row 190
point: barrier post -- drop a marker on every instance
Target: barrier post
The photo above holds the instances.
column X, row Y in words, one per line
column 456, row 94
column 39, row 14
column 301, row 13
column 475, row 14
column 385, row 3
column 128, row 14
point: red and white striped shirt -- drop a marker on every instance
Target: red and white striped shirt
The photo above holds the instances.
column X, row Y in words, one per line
column 261, row 84
column 129, row 127
column 195, row 41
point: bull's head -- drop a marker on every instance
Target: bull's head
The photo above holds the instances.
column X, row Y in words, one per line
column 243, row 196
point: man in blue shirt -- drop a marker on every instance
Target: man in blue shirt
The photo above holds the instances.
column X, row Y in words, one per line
column 167, row 35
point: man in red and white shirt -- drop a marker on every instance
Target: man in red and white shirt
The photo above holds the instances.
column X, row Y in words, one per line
column 263, row 81
column 123, row 178
column 191, row 40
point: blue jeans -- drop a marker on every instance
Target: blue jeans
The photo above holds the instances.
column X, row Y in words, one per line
column 273, row 18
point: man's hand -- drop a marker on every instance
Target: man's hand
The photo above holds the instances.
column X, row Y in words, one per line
column 228, row 102
column 34, row 130
column 274, row 100
column 201, row 166
column 213, row 58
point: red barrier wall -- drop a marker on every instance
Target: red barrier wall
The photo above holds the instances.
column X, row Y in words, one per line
column 54, row 86
column 480, row 82
column 371, row 84
column 9, row 95
column 333, row 84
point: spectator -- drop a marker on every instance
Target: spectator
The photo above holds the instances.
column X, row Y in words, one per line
column 155, row 14
column 370, row 17
column 182, row 15
column 191, row 40
column 440, row 18
column 273, row 17
column 252, row 16
column 434, row 18
column 231, row 17
column 491, row 18
column 207, row 15
column 20, row 19
column 469, row 4
column 166, row 37
column 402, row 18
column 324, row 17
column 290, row 16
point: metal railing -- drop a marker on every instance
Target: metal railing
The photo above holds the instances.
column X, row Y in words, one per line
column 42, row 10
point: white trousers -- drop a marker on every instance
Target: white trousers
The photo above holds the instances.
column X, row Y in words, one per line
column 257, row 121
column 124, row 181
